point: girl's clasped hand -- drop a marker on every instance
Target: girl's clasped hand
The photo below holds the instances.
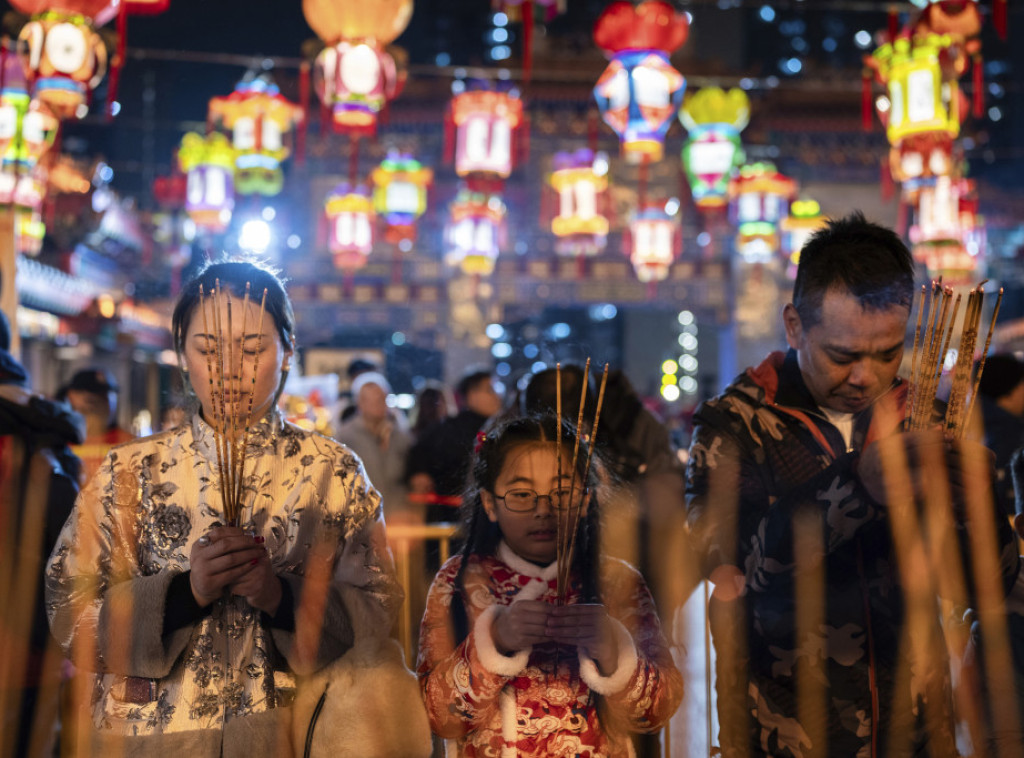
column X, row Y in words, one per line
column 535, row 622
column 227, row 557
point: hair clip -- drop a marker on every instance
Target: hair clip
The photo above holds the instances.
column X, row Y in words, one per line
column 481, row 438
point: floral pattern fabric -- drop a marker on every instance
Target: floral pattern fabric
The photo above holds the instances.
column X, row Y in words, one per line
column 551, row 709
column 133, row 528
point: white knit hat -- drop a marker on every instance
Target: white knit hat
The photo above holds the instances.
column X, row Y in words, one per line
column 370, row 377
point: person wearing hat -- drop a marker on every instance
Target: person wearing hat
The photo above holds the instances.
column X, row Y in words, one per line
column 93, row 393
column 381, row 439
column 1001, row 390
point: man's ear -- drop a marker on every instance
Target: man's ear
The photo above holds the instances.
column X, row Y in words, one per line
column 794, row 327
column 1018, row 525
column 490, row 505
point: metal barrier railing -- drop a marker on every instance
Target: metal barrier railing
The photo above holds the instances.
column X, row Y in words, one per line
column 403, row 537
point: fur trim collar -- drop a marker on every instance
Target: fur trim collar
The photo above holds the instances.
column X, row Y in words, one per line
column 508, row 556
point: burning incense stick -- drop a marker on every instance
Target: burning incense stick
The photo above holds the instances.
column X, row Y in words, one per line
column 930, row 350
column 225, row 370
column 577, row 513
column 563, row 545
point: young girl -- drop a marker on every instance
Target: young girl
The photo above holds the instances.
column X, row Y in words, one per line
column 504, row 669
column 188, row 630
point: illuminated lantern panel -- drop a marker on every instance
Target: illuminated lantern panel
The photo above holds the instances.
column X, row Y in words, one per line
column 209, row 166
column 760, row 198
column 947, row 238
column 580, row 179
column 654, row 241
column 400, row 195
column 475, row 232
column 713, row 119
column 64, row 58
column 350, row 221
column 921, row 98
column 485, row 121
column 355, row 80
column 804, row 219
column 259, row 120
column 918, row 160
column 639, row 91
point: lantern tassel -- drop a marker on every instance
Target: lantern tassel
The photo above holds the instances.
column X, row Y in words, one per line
column 592, row 129
column 353, row 159
column 999, row 18
column 527, row 9
column 865, row 100
column 894, row 23
column 118, row 62
column 979, row 86
column 449, row 136
column 886, row 180
column 300, row 135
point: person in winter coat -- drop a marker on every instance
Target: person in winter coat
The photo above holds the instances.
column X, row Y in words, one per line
column 507, row 666
column 827, row 636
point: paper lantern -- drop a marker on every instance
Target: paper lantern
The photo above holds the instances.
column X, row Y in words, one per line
column 485, row 122
column 335, row 20
column 655, row 240
column 350, row 220
column 759, row 199
column 27, row 131
column 354, row 80
column 923, row 97
column 64, row 58
column 260, row 121
column 355, row 74
column 580, row 180
column 400, row 195
column 947, row 237
column 209, row 165
column 713, row 119
column 475, row 232
column 639, row 91
column 918, row 160
column 804, row 219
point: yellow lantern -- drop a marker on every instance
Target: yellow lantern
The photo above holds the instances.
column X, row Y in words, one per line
column 476, row 231
column 209, row 165
column 400, row 195
column 804, row 219
column 921, row 97
column 350, row 219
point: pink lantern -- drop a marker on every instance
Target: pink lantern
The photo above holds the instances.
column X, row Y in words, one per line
column 485, row 123
column 350, row 220
column 655, row 241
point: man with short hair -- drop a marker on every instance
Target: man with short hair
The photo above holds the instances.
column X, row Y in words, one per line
column 810, row 615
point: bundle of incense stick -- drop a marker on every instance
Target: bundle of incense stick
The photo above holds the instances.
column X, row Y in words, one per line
column 225, row 369
column 932, row 337
column 569, row 518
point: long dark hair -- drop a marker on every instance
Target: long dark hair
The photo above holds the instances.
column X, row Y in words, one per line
column 482, row 536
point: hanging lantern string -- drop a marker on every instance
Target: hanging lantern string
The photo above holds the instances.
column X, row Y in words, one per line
column 225, row 369
column 932, row 337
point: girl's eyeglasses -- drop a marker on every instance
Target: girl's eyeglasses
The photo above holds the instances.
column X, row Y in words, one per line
column 524, row 501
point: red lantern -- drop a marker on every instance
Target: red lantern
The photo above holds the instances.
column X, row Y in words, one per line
column 580, row 180
column 654, row 242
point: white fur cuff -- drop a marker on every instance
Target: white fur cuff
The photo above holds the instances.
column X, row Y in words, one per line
column 492, row 660
column 624, row 669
